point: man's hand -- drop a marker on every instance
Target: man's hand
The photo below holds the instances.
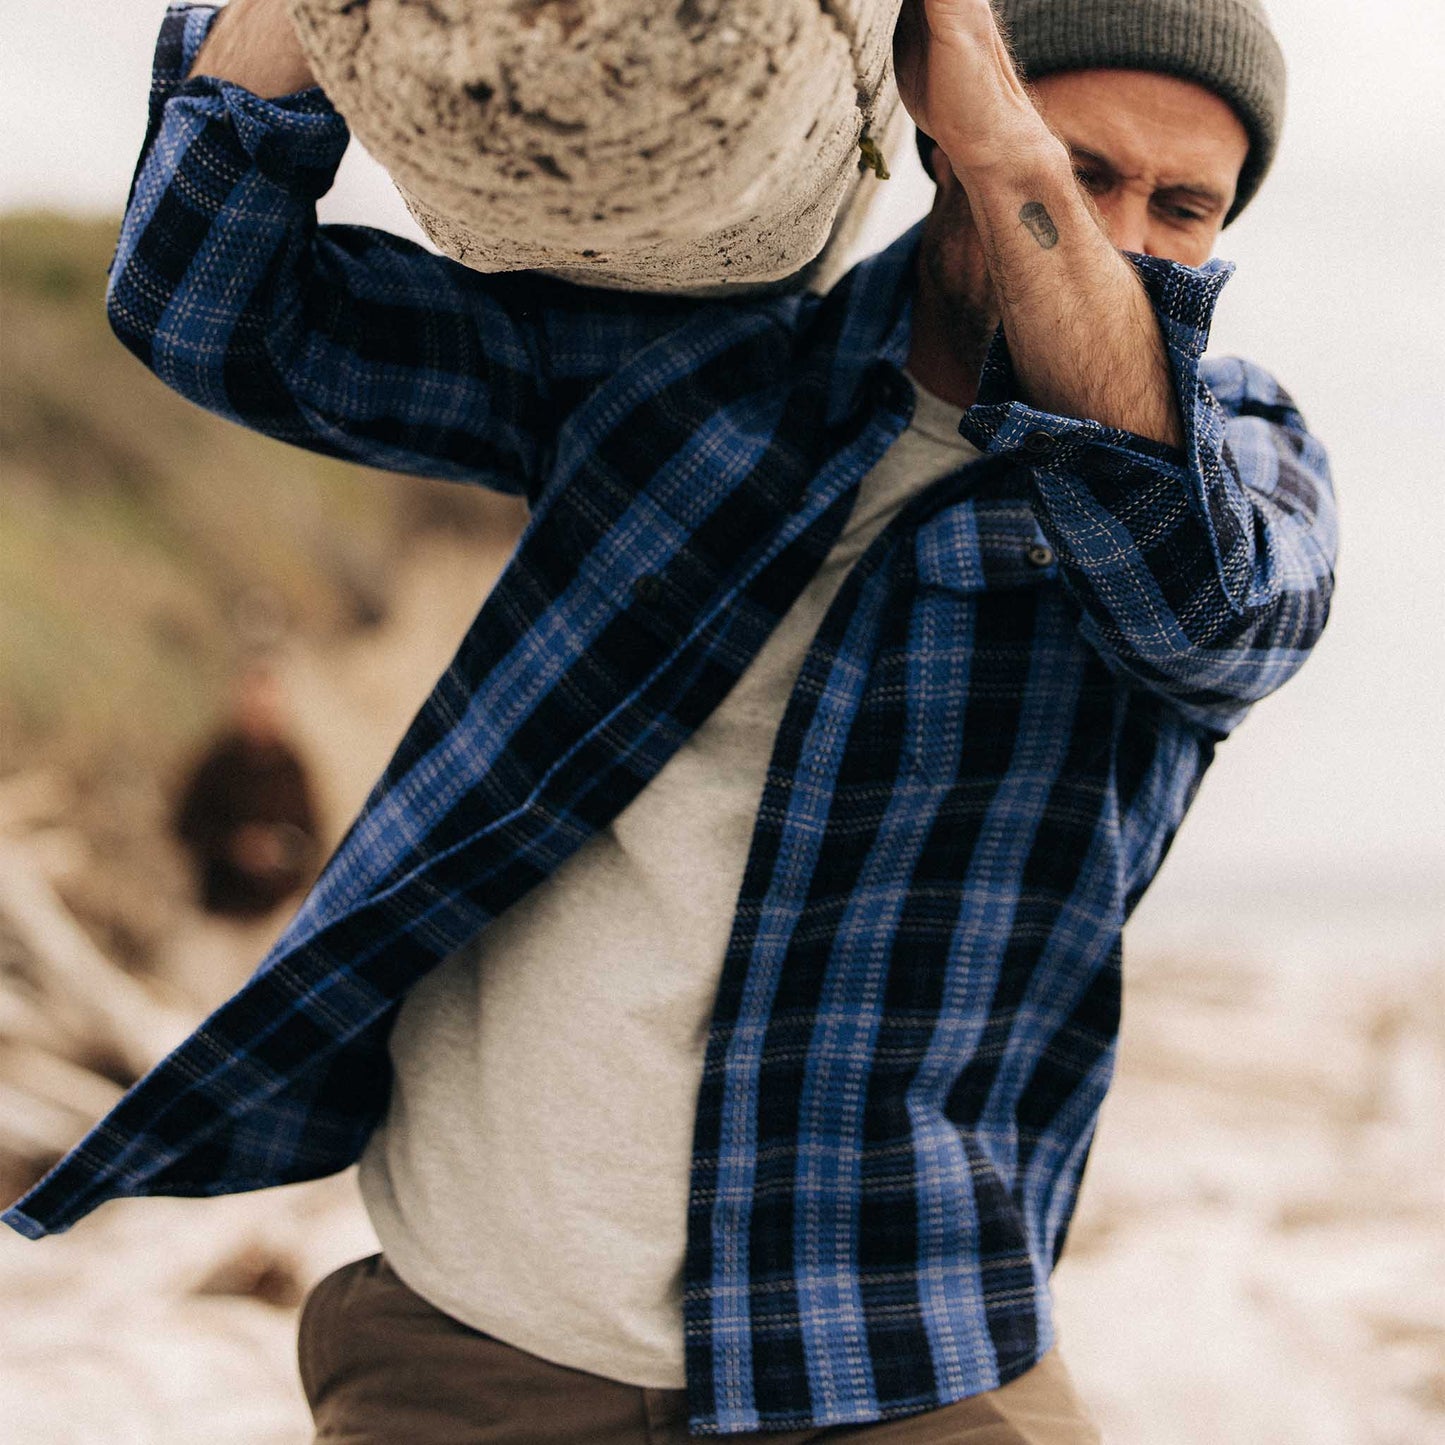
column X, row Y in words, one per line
column 253, row 44
column 958, row 82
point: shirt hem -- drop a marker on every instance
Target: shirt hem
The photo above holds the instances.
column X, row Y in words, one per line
column 724, row 1424
column 23, row 1224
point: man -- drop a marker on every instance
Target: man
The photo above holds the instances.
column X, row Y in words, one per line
column 246, row 815
column 721, row 985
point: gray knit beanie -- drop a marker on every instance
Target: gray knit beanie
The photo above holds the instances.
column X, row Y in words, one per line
column 1226, row 46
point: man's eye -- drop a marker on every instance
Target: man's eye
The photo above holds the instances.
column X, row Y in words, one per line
column 1179, row 212
column 1090, row 180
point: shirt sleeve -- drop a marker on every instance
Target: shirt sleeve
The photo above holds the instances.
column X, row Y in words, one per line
column 342, row 339
column 1203, row 573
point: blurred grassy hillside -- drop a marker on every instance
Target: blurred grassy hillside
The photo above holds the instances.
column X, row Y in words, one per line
column 143, row 540
column 145, row 546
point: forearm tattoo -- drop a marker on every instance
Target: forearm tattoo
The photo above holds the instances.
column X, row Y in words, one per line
column 1040, row 224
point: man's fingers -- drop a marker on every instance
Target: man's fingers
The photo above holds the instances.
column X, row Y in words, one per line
column 910, row 60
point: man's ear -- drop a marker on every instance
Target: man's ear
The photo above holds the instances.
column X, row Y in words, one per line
column 939, row 167
column 926, row 148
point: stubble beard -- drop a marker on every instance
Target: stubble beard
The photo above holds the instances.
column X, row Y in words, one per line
column 959, row 288
column 955, row 310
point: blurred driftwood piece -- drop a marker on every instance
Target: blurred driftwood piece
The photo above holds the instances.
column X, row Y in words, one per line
column 33, row 799
column 686, row 145
column 33, row 1131
column 106, row 1016
column 54, row 1080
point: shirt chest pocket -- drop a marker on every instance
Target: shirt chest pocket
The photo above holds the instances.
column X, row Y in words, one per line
column 984, row 617
column 978, row 546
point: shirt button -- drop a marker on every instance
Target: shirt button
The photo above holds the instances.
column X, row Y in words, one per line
column 647, row 590
column 892, row 390
column 1040, row 556
column 1038, row 444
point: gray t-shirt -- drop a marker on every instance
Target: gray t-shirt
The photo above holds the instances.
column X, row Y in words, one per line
column 531, row 1176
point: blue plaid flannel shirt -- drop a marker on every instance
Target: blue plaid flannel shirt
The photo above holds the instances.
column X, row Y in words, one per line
column 998, row 728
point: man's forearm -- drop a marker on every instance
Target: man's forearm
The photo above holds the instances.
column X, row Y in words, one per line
column 253, row 44
column 1082, row 333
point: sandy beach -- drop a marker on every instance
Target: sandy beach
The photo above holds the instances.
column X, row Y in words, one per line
column 1257, row 1257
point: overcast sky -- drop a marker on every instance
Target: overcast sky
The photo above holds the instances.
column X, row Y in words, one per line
column 1337, row 783
column 1365, row 93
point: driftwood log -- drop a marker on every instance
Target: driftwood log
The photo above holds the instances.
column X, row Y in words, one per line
column 74, row 1027
column 101, row 1008
column 690, row 144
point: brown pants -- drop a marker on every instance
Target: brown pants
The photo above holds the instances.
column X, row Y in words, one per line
column 383, row 1367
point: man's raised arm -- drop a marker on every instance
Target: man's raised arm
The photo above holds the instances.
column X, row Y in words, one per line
column 1190, row 509
column 340, row 339
column 1082, row 333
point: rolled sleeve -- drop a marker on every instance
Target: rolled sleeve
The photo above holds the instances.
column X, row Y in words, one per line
column 1202, row 572
column 225, row 182
column 296, row 141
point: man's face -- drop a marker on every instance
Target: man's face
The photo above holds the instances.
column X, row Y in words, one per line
column 1159, row 156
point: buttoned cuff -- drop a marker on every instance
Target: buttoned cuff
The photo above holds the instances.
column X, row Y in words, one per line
column 1183, row 298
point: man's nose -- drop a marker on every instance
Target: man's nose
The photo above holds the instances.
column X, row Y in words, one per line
column 1126, row 219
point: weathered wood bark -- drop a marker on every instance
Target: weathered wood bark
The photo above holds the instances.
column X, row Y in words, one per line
column 647, row 146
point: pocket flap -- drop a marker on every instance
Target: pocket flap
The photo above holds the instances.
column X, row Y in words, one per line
column 983, row 543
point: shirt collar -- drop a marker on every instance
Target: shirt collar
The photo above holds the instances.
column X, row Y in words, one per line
column 895, row 268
